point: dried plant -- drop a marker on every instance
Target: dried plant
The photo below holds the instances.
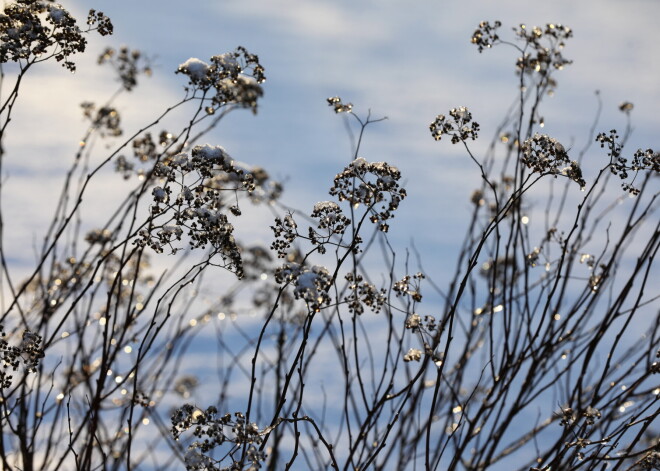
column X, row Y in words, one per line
column 542, row 354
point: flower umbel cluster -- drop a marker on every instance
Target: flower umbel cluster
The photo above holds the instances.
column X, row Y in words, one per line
column 28, row 352
column 311, row 284
column 542, row 51
column 212, row 430
column 568, row 416
column 459, row 126
column 591, row 414
column 286, row 231
column 363, row 293
column 34, row 30
column 370, row 184
column 231, row 78
column 415, row 323
column 99, row 22
column 643, row 159
column 192, row 198
column 127, row 64
column 338, row 106
column 485, row 36
column 145, row 151
column 413, row 354
column 410, row 286
column 546, row 155
column 547, row 44
column 105, row 120
column 331, row 222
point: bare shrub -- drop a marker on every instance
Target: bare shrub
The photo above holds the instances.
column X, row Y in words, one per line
column 543, row 354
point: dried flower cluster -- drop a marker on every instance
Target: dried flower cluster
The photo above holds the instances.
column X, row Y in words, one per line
column 363, row 293
column 339, row 106
column 485, row 36
column 426, row 329
column 213, row 430
column 332, row 222
column 542, row 49
column 148, row 153
column 311, row 284
column 410, row 286
column 286, row 231
column 374, row 185
column 128, row 65
column 192, row 200
column 232, row 78
column 547, row 44
column 626, row 107
column 28, row 353
column 591, row 414
column 95, row 342
column 569, row 416
column 99, row 22
column 643, row 160
column 34, row 30
column 371, row 184
column 413, row 354
column 545, row 155
column 415, row 323
column 460, row 127
column 105, row 120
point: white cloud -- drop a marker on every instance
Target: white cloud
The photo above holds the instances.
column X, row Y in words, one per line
column 315, row 20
